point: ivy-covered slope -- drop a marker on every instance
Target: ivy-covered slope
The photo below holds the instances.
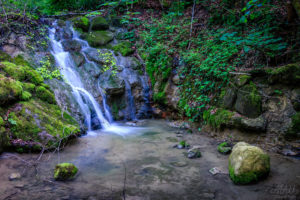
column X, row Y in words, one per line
column 30, row 118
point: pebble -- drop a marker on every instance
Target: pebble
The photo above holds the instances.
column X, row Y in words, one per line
column 14, row 176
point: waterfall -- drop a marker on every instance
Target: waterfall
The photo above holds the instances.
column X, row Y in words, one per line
column 71, row 76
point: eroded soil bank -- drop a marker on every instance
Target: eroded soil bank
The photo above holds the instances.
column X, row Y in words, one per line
column 153, row 169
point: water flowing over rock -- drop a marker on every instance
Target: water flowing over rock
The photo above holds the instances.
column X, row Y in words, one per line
column 103, row 93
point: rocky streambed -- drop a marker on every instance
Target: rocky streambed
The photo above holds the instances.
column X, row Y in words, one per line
column 140, row 163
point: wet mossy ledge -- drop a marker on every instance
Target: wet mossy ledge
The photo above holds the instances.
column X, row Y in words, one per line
column 30, row 119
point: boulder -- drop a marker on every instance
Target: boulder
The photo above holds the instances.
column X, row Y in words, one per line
column 65, row 171
column 98, row 38
column 257, row 124
column 229, row 98
column 248, row 164
column 98, row 56
column 113, row 85
column 71, row 45
column 99, row 24
column 248, row 101
column 241, row 80
column 78, row 58
column 288, row 74
column 82, row 23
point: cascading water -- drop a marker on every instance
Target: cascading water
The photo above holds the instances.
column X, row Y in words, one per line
column 73, row 79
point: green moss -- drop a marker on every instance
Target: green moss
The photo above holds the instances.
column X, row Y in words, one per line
column 26, row 96
column 33, row 76
column 288, row 74
column 1, row 121
column 65, row 171
column 45, row 95
column 30, row 87
column 10, row 90
column 248, row 177
column 125, row 48
column 294, row 129
column 217, row 118
column 15, row 71
column 19, row 60
column 4, row 56
column 82, row 23
column 159, row 97
column 98, row 38
column 242, row 80
column 99, row 23
column 224, row 148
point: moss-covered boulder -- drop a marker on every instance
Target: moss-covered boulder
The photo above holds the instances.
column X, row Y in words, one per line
column 14, row 71
column 248, row 164
column 65, row 171
column 248, row 101
column 241, row 80
column 125, row 48
column 229, row 98
column 99, row 24
column 81, row 23
column 10, row 90
column 98, row 38
column 294, row 130
column 217, row 118
column 288, row 74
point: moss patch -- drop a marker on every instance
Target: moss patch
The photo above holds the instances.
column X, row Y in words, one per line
column 10, row 90
column 288, row 74
column 82, row 23
column 65, row 171
column 217, row 117
column 125, row 48
column 224, row 148
column 98, row 38
column 45, row 95
column 294, row 130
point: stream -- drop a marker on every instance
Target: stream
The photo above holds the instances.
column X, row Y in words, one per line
column 144, row 154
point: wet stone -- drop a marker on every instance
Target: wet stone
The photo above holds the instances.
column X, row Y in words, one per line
column 14, row 176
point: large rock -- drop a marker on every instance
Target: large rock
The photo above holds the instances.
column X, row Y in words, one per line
column 77, row 58
column 98, row 56
column 288, row 74
column 256, row 124
column 229, row 98
column 65, row 171
column 71, row 45
column 98, row 38
column 248, row 164
column 99, row 24
column 248, row 101
column 113, row 85
column 81, row 23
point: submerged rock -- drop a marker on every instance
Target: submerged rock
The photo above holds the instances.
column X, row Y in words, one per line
column 224, row 148
column 248, row 163
column 14, row 176
column 65, row 171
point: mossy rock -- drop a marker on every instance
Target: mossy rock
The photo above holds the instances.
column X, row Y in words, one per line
column 224, row 148
column 82, row 23
column 1, row 122
column 10, row 90
column 41, row 122
column 288, row 74
column 99, row 24
column 45, row 95
column 294, row 130
column 241, row 80
column 248, row 101
column 65, row 171
column 98, row 38
column 217, row 118
column 229, row 98
column 125, row 48
column 296, row 4
column 248, row 164
column 17, row 72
